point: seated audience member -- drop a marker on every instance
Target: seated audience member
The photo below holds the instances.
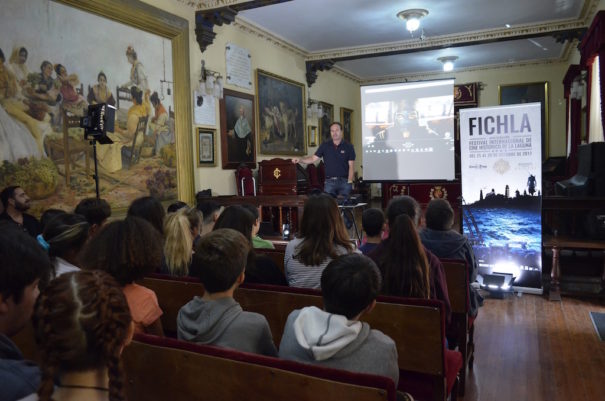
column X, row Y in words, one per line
column 210, row 211
column 16, row 202
column 438, row 284
column 175, row 206
column 95, row 211
column 257, row 241
column 403, row 262
column 150, row 209
column 322, row 237
column 216, row 318
column 372, row 221
column 444, row 242
column 334, row 337
column 260, row 269
column 64, row 237
column 24, row 264
column 82, row 324
column 47, row 216
column 182, row 230
column 127, row 250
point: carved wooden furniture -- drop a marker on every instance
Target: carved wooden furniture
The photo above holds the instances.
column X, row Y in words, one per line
column 563, row 222
column 66, row 150
column 281, row 177
column 278, row 209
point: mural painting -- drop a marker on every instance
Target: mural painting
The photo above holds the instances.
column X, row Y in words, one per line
column 56, row 61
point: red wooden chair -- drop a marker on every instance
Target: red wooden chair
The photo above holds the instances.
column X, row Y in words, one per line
column 245, row 182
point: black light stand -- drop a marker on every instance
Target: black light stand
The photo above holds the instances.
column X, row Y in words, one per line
column 93, row 142
column 99, row 119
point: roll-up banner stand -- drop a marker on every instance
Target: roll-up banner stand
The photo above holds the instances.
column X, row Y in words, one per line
column 501, row 166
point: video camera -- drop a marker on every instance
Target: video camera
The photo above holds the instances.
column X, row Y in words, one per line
column 99, row 120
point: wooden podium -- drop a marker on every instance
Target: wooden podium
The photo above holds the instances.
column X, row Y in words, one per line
column 281, row 177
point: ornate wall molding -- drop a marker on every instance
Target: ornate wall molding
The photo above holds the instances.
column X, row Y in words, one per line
column 275, row 40
column 468, row 38
column 210, row 4
column 440, row 73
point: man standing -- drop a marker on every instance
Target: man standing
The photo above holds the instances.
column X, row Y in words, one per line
column 339, row 158
column 16, row 203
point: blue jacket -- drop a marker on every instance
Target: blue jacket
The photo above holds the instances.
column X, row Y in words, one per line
column 18, row 377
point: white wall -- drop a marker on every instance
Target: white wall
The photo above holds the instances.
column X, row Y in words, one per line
column 329, row 87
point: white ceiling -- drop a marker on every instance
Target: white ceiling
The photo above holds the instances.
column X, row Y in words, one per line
column 325, row 29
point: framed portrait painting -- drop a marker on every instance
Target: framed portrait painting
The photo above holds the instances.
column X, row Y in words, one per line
column 281, row 107
column 529, row 93
column 206, row 147
column 238, row 133
column 70, row 54
column 324, row 122
column 346, row 119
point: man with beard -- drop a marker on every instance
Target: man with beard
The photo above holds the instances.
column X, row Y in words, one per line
column 16, row 203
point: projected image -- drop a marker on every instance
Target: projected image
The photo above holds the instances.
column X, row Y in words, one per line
column 408, row 131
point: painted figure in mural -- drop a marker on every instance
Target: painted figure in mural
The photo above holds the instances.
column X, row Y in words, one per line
column 18, row 67
column 138, row 77
column 42, row 86
column 110, row 156
column 531, row 184
column 16, row 141
column 240, row 143
column 72, row 101
column 100, row 92
column 160, row 124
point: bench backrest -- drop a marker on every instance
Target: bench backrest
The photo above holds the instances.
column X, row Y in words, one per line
column 168, row 369
column 276, row 255
column 417, row 326
column 456, row 276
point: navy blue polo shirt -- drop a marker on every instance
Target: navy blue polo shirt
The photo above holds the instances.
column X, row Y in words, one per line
column 336, row 158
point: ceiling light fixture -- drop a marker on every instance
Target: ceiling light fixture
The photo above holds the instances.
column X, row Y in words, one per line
column 412, row 18
column 448, row 62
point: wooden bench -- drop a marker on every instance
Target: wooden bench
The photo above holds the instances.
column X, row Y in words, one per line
column 456, row 275
column 558, row 243
column 417, row 327
column 169, row 369
column 276, row 255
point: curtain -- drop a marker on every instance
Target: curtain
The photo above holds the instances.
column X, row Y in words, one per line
column 595, row 131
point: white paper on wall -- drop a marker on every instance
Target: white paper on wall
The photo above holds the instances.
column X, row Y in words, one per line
column 239, row 67
column 206, row 113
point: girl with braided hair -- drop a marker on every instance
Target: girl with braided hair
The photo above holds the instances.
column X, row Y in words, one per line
column 81, row 324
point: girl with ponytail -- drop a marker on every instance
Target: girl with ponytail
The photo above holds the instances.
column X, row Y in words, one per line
column 180, row 229
column 81, row 324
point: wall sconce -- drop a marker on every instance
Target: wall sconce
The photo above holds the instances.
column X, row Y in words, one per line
column 211, row 82
column 448, row 62
column 314, row 110
column 412, row 18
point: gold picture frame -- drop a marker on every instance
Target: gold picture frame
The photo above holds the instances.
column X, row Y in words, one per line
column 311, row 135
column 277, row 97
column 150, row 19
column 325, row 121
column 346, row 119
column 528, row 93
column 206, row 147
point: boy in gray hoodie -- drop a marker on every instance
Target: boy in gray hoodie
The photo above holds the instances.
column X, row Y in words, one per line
column 335, row 337
column 216, row 318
